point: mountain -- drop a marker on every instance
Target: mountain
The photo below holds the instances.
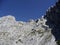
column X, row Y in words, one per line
column 34, row 32
column 43, row 31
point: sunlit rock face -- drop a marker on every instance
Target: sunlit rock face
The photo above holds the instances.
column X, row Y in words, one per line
column 34, row 32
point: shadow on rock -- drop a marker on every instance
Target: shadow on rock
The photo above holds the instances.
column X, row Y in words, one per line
column 53, row 20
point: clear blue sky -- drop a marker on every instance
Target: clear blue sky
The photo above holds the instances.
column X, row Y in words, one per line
column 25, row 9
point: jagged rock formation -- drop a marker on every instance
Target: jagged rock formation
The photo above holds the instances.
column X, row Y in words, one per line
column 53, row 14
column 53, row 20
column 14, row 32
column 44, row 31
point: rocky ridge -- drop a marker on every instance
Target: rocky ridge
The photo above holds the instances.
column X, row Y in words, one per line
column 14, row 32
column 44, row 31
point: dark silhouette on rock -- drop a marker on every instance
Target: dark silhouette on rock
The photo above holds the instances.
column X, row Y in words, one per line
column 53, row 19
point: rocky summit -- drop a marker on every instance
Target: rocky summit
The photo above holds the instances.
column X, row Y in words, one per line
column 33, row 32
column 43, row 31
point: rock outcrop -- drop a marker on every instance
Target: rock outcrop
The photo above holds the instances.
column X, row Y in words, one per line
column 44, row 31
column 14, row 32
column 53, row 20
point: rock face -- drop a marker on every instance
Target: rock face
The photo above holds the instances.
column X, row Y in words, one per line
column 53, row 20
column 53, row 14
column 14, row 32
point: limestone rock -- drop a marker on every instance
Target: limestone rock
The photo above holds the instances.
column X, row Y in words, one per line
column 14, row 32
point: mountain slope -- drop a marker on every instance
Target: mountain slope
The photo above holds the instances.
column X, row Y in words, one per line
column 44, row 31
column 14, row 32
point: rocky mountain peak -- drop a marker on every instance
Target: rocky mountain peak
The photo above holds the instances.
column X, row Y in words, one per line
column 35, row 32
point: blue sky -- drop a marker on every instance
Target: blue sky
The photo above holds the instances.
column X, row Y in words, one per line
column 25, row 9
